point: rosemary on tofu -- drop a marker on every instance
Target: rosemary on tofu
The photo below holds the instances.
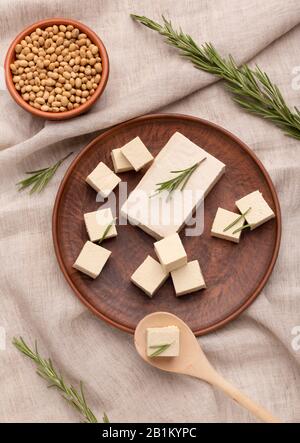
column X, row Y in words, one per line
column 159, row 349
column 107, row 229
column 240, row 217
column 178, row 182
column 241, row 228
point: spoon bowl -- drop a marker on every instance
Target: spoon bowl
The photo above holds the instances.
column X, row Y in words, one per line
column 190, row 351
column 191, row 360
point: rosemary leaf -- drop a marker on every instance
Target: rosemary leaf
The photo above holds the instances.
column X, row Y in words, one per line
column 39, row 179
column 107, row 229
column 161, row 348
column 177, row 182
column 241, row 228
column 105, row 419
column 36, row 171
column 46, row 370
column 252, row 89
column 236, row 220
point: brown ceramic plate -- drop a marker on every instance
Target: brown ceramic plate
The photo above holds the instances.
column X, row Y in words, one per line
column 234, row 273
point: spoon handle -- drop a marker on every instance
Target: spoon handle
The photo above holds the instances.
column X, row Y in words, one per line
column 257, row 410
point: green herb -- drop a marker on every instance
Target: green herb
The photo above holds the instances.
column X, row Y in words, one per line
column 236, row 221
column 252, row 89
column 179, row 181
column 161, row 348
column 105, row 419
column 107, row 229
column 46, row 370
column 39, row 179
column 241, row 228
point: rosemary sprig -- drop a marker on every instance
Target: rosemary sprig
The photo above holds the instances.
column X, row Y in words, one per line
column 241, row 228
column 46, row 370
column 251, row 88
column 179, row 181
column 105, row 419
column 107, row 229
column 161, row 348
column 236, row 221
column 39, row 179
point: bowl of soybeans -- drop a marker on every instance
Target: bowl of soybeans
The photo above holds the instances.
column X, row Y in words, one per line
column 56, row 68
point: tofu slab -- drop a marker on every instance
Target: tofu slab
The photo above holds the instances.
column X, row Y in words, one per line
column 223, row 219
column 159, row 215
column 149, row 276
column 260, row 211
column 157, row 337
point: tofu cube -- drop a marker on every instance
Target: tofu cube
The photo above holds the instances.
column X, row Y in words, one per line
column 158, row 337
column 103, row 179
column 223, row 219
column 137, row 154
column 260, row 211
column 120, row 162
column 188, row 278
column 170, row 252
column 91, row 259
column 96, row 223
column 149, row 276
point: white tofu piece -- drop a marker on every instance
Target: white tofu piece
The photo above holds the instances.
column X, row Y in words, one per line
column 137, row 154
column 188, row 278
column 157, row 337
column 260, row 211
column 96, row 223
column 223, row 219
column 149, row 276
column 103, row 179
column 120, row 162
column 170, row 252
column 91, row 259
column 160, row 216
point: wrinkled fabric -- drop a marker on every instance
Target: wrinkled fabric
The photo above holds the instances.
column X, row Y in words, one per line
column 258, row 352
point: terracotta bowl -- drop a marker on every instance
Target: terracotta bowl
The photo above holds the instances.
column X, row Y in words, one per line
column 10, row 58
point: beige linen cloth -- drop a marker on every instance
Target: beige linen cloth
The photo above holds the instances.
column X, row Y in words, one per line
column 256, row 352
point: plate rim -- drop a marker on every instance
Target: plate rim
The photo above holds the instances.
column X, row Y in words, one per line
column 157, row 116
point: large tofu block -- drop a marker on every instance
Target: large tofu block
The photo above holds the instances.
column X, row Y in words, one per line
column 120, row 162
column 223, row 219
column 159, row 215
column 188, row 278
column 170, row 252
column 260, row 211
column 96, row 223
column 157, row 337
column 103, row 179
column 149, row 276
column 91, row 259
column 137, row 154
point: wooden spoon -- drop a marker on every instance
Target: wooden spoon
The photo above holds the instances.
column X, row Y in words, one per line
column 191, row 361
